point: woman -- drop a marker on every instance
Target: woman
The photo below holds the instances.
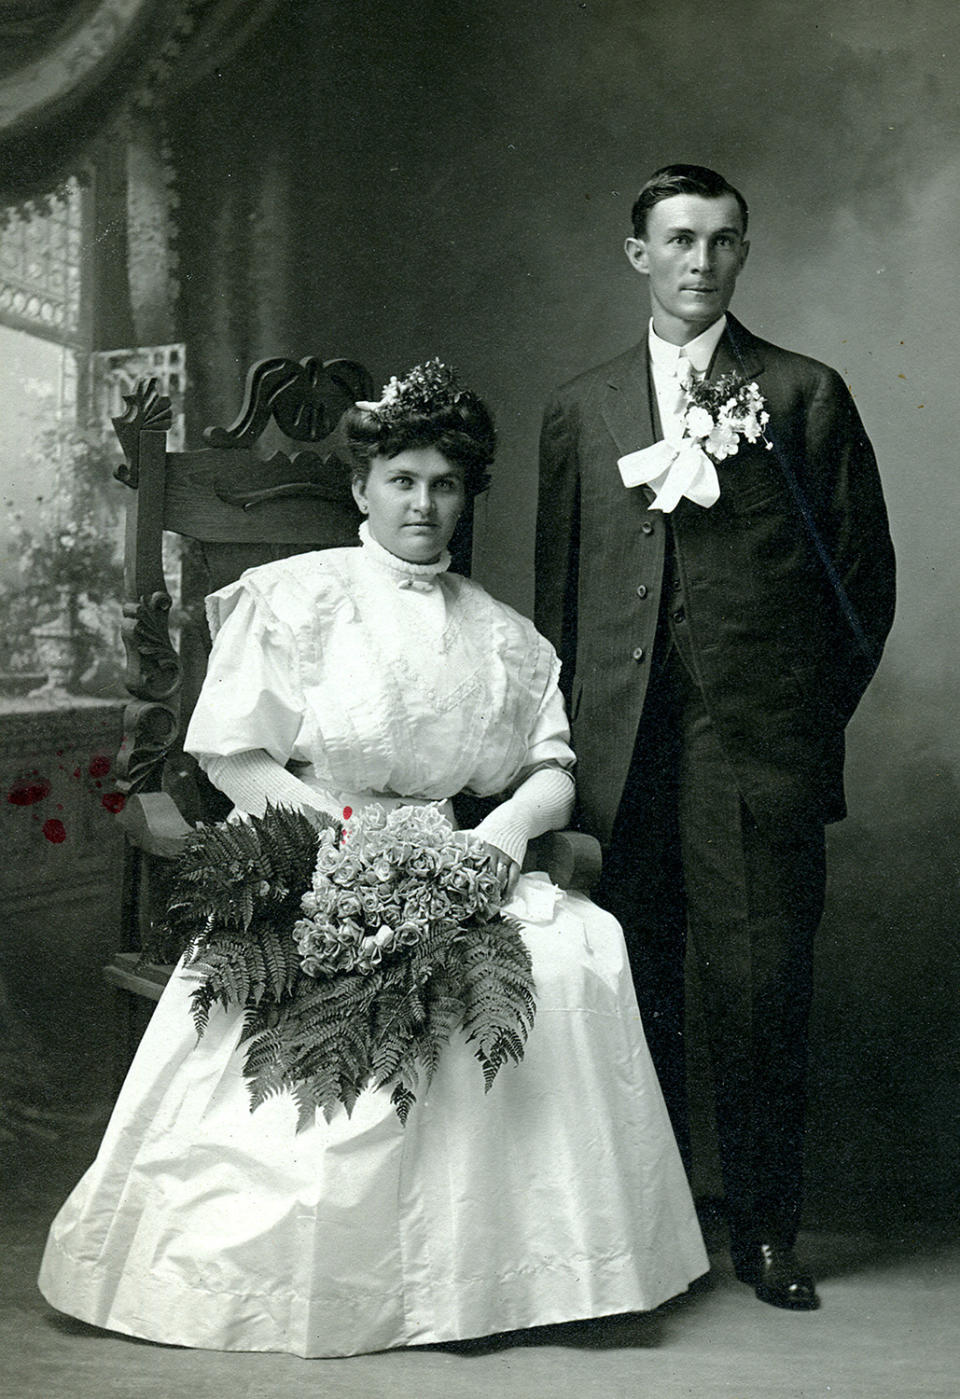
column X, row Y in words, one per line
column 558, row 1195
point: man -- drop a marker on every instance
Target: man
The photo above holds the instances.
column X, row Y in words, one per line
column 719, row 584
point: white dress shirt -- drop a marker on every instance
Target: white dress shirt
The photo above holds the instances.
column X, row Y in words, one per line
column 666, row 361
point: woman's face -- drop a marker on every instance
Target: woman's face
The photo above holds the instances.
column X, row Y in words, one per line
column 413, row 502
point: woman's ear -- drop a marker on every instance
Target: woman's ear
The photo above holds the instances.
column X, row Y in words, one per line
column 359, row 496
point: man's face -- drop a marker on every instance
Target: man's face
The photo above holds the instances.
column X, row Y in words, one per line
column 692, row 252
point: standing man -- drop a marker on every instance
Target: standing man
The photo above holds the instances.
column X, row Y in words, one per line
column 715, row 568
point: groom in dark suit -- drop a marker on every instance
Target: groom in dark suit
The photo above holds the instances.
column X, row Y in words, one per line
column 719, row 581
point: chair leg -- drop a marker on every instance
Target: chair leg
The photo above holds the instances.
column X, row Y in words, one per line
column 126, row 1036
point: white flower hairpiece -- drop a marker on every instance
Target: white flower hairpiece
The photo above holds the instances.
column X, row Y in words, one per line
column 423, row 389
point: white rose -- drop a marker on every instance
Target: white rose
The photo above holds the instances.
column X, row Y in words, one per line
column 698, row 422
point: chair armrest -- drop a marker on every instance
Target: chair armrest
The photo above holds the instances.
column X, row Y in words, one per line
column 570, row 858
column 153, row 823
column 129, row 973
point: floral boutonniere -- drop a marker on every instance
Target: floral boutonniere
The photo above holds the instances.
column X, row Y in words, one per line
column 717, row 415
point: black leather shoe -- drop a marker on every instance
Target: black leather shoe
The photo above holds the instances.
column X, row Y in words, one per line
column 775, row 1276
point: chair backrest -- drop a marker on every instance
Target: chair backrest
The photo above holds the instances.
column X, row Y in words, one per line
column 234, row 507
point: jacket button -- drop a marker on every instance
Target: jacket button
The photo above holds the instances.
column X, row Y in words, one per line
column 679, row 615
column 642, row 590
column 646, row 527
column 638, row 653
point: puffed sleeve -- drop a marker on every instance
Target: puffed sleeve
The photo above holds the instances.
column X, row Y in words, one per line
column 252, row 696
column 549, row 741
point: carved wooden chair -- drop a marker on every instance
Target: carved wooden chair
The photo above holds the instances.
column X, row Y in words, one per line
column 233, row 508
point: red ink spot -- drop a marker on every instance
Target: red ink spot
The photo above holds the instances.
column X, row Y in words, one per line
column 347, row 812
column 99, row 767
column 113, row 801
column 55, row 831
column 98, row 784
column 59, row 752
column 25, row 793
column 76, row 772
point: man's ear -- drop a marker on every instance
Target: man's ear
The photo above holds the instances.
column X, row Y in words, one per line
column 744, row 249
column 636, row 251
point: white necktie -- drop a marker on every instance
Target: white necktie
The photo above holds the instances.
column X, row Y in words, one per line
column 685, row 374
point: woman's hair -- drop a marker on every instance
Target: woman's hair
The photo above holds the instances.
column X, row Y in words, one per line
column 426, row 408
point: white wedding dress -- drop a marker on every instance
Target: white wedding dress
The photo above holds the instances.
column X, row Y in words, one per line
column 559, row 1195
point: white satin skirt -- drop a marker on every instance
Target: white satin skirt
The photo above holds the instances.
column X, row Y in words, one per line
column 556, row 1196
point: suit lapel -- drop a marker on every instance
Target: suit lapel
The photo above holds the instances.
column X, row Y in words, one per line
column 737, row 353
column 629, row 408
column 625, row 402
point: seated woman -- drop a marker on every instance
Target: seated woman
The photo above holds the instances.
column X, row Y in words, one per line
column 558, row 1195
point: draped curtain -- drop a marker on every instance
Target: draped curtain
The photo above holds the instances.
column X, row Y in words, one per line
column 70, row 68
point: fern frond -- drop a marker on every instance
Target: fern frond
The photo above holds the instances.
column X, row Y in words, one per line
column 498, row 996
column 402, row 1099
column 281, row 961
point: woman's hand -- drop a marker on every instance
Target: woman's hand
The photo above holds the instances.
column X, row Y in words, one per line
column 506, row 870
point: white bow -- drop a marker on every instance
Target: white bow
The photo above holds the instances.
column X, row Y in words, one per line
column 672, row 468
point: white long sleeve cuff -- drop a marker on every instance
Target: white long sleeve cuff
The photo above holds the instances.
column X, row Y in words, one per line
column 252, row 778
column 544, row 802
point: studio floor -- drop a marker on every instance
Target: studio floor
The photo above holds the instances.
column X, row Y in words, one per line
column 889, row 1328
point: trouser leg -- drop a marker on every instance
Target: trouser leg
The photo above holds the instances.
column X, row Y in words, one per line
column 642, row 885
column 754, row 903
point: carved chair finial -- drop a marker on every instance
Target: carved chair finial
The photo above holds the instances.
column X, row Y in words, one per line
column 147, row 409
column 304, row 397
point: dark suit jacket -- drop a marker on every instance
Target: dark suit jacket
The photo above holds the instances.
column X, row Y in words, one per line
column 782, row 668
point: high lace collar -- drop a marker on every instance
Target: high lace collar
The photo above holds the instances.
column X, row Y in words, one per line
column 405, row 574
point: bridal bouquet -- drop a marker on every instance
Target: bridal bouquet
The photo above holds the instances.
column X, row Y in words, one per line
column 354, row 951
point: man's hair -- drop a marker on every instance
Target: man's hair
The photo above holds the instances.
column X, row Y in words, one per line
column 681, row 179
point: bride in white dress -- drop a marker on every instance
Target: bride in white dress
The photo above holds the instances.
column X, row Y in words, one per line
column 557, row 1196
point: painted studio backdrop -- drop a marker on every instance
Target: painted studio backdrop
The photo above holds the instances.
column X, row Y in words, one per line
column 390, row 183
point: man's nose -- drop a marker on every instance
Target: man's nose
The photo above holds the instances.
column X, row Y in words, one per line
column 702, row 255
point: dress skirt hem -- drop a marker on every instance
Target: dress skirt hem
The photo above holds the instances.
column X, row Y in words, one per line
column 557, row 1196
